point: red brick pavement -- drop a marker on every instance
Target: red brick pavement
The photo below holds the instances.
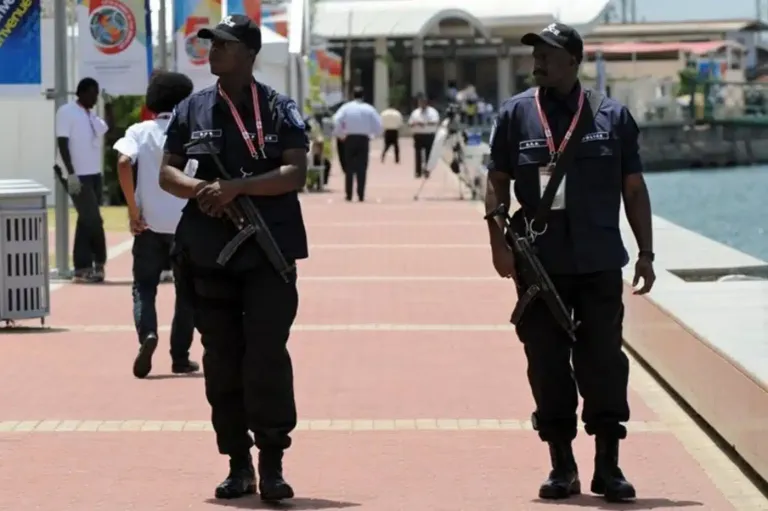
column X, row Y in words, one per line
column 411, row 386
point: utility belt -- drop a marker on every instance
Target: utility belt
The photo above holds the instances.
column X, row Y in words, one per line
column 196, row 283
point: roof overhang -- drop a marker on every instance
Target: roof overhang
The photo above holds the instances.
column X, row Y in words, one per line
column 406, row 19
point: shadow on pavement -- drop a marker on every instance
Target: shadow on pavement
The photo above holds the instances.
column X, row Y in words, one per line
column 8, row 330
column 594, row 502
column 198, row 374
column 297, row 504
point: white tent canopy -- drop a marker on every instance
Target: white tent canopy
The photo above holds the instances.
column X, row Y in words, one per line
column 272, row 62
column 274, row 48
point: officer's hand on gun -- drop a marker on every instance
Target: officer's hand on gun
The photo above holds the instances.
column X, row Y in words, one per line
column 213, row 197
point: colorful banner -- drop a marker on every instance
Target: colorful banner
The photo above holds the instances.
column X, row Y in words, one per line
column 276, row 18
column 251, row 8
column 326, row 74
column 20, row 51
column 113, row 39
column 192, row 52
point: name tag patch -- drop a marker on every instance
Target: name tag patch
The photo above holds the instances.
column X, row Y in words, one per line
column 533, row 144
column 206, row 134
column 597, row 135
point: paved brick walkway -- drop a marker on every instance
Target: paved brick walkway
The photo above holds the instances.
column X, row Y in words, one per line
column 410, row 384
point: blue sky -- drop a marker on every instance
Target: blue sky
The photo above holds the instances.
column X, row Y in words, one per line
column 678, row 10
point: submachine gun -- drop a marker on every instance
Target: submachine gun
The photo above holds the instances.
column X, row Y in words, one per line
column 249, row 222
column 532, row 277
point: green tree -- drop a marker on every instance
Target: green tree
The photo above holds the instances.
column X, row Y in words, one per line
column 126, row 111
column 398, row 92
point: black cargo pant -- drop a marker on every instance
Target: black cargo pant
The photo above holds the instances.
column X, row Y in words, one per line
column 391, row 139
column 90, row 246
column 245, row 320
column 151, row 255
column 422, row 144
column 600, row 369
column 356, row 151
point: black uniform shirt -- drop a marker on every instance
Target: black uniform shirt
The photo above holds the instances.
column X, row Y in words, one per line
column 206, row 113
column 585, row 236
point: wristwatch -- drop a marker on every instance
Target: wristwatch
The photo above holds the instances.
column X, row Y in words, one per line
column 648, row 254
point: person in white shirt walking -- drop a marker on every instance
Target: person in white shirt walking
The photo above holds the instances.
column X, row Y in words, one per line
column 79, row 137
column 392, row 121
column 154, row 215
column 424, row 121
column 356, row 122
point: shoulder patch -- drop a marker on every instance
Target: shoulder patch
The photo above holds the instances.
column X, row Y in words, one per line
column 293, row 116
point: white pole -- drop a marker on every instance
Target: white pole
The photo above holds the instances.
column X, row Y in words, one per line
column 60, row 99
column 162, row 36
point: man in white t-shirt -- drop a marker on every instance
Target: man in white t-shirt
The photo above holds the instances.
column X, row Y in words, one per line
column 154, row 215
column 424, row 122
column 79, row 136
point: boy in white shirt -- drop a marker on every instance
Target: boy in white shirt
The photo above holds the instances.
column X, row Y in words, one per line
column 153, row 215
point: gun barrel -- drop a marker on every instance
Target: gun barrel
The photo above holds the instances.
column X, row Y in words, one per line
column 195, row 142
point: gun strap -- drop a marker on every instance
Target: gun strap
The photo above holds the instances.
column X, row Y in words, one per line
column 565, row 159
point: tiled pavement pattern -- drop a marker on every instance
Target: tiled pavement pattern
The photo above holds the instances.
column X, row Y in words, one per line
column 411, row 386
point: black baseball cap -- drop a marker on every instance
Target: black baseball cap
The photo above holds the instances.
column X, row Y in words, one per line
column 558, row 35
column 236, row 27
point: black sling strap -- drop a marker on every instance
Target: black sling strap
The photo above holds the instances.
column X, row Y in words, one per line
column 539, row 223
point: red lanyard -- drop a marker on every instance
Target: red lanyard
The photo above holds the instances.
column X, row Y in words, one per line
column 555, row 153
column 241, row 125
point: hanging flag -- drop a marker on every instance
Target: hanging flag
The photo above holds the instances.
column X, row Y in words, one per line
column 20, row 53
column 191, row 51
column 113, row 45
column 251, row 8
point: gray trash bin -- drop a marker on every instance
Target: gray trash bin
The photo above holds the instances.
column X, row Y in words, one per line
column 24, row 279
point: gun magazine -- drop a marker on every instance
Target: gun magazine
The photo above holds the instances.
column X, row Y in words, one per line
column 523, row 301
column 230, row 248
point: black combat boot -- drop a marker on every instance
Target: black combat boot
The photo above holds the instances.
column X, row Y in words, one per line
column 241, row 480
column 563, row 480
column 609, row 480
column 272, row 486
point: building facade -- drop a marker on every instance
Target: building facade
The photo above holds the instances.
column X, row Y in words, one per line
column 396, row 49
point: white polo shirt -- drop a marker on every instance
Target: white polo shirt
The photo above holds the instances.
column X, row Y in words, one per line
column 143, row 144
column 391, row 119
column 85, row 131
column 424, row 120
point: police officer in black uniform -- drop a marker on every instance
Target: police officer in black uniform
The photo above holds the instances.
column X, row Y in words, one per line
column 581, row 249
column 244, row 311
